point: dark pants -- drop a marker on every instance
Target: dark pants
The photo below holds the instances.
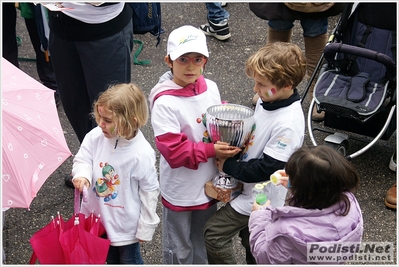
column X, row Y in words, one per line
column 129, row 254
column 219, row 232
column 10, row 47
column 44, row 68
column 85, row 69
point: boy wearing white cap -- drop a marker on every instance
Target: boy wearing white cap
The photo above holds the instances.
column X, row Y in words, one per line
column 177, row 105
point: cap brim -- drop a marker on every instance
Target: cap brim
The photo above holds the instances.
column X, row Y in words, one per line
column 188, row 49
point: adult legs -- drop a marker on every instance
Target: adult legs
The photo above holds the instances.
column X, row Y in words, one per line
column 44, row 67
column 216, row 13
column 84, row 69
column 10, row 47
column 217, row 25
column 71, row 84
column 315, row 38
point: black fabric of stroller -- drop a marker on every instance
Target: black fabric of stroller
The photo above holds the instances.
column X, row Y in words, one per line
column 361, row 64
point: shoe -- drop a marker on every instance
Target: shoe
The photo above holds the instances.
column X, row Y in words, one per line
column 68, row 180
column 390, row 197
column 220, row 31
column 392, row 162
column 317, row 116
column 224, row 4
column 255, row 99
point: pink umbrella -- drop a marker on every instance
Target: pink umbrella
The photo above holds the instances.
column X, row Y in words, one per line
column 33, row 142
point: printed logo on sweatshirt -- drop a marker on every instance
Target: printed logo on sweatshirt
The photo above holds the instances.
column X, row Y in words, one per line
column 105, row 186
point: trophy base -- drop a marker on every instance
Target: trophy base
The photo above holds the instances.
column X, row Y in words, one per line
column 222, row 194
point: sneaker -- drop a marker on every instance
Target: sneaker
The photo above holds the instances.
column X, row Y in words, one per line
column 392, row 163
column 220, row 31
column 224, row 4
column 68, row 180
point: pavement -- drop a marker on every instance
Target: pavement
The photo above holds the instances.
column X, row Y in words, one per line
column 226, row 68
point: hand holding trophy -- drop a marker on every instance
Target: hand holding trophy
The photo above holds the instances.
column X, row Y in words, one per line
column 232, row 124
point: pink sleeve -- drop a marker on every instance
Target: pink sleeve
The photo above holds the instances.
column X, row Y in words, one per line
column 181, row 152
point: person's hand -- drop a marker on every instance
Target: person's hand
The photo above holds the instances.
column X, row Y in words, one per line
column 284, row 178
column 256, row 206
column 224, row 150
column 80, row 182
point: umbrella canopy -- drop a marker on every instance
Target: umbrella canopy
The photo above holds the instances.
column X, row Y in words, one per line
column 33, row 142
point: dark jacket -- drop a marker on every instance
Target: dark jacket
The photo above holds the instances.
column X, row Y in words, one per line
column 273, row 11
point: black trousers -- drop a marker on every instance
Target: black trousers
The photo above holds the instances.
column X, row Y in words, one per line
column 85, row 69
column 10, row 47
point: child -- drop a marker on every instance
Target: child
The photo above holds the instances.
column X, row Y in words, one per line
column 277, row 69
column 177, row 104
column 117, row 164
column 322, row 208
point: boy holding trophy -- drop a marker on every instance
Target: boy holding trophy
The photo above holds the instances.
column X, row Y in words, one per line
column 276, row 69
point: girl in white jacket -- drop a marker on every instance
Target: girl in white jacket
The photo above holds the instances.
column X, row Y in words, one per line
column 117, row 164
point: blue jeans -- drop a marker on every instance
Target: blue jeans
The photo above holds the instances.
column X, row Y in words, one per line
column 129, row 254
column 311, row 27
column 216, row 13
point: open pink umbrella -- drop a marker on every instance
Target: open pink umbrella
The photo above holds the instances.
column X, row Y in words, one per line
column 33, row 142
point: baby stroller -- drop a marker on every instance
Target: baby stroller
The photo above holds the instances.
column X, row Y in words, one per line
column 356, row 81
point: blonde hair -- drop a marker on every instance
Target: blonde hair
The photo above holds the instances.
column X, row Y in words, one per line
column 281, row 63
column 128, row 106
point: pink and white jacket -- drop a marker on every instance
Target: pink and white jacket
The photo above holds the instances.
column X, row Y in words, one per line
column 186, row 164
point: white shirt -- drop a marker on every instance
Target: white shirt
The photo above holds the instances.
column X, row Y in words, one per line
column 278, row 134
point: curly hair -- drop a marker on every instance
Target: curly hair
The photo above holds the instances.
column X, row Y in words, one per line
column 281, row 63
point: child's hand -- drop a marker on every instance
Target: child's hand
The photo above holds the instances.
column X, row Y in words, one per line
column 284, row 178
column 256, row 206
column 224, row 150
column 80, row 182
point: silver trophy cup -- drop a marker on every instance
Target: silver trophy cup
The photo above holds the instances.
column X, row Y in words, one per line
column 233, row 124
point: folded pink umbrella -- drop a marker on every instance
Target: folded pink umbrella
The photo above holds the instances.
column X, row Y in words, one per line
column 76, row 241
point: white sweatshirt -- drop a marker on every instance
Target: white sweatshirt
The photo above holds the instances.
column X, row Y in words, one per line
column 124, row 186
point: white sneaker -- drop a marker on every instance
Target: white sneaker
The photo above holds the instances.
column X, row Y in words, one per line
column 224, row 4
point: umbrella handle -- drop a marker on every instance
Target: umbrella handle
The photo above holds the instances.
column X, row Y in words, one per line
column 77, row 199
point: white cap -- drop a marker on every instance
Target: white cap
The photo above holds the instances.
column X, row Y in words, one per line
column 186, row 39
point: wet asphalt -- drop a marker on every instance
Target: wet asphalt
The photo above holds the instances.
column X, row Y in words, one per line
column 226, row 68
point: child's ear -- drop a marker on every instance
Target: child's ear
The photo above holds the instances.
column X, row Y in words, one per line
column 168, row 61
column 287, row 87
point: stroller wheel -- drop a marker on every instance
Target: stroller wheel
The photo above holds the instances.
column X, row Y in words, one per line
column 340, row 148
column 339, row 142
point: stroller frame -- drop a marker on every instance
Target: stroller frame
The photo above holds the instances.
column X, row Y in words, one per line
column 345, row 115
